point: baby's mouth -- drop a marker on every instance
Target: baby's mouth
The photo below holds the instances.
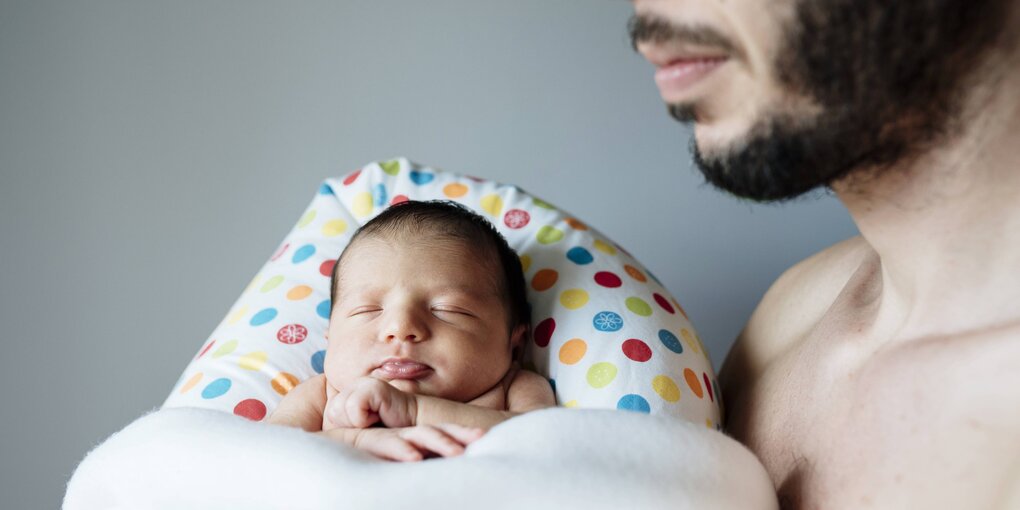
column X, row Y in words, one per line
column 395, row 368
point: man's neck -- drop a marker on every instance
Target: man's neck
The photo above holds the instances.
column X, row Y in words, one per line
column 946, row 228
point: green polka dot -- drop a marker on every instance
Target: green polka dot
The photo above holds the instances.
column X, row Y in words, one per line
column 549, row 234
column 272, row 283
column 542, row 203
column 306, row 219
column 601, row 374
column 225, row 349
column 390, row 167
column 636, row 305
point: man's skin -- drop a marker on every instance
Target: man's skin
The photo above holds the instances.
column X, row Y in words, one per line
column 883, row 372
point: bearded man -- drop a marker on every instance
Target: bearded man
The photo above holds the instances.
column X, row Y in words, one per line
column 883, row 372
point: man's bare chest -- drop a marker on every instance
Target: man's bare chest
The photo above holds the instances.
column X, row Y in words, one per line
column 839, row 425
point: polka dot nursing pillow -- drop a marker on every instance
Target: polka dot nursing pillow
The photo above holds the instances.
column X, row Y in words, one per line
column 605, row 331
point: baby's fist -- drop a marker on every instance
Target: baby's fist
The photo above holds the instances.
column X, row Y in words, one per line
column 368, row 401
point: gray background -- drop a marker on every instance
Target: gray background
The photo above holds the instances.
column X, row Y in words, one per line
column 152, row 155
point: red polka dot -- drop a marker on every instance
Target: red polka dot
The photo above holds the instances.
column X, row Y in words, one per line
column 708, row 386
column 279, row 253
column 292, row 334
column 399, row 199
column 476, row 179
column 637, row 350
column 326, row 268
column 253, row 409
column 663, row 303
column 516, row 218
column 206, row 349
column 544, row 332
column 607, row 279
column 351, row 178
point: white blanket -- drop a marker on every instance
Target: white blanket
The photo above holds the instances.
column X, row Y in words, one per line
column 556, row 458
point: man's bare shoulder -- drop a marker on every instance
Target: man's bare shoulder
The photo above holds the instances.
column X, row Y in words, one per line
column 792, row 305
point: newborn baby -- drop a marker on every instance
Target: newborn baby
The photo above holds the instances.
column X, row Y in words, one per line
column 429, row 316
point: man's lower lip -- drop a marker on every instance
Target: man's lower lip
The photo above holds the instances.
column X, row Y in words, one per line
column 679, row 77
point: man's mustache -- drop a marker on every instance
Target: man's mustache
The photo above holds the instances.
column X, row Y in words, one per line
column 648, row 28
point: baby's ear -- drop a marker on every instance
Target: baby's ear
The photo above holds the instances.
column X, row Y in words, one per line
column 519, row 335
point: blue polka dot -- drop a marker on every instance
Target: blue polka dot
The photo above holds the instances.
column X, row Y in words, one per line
column 379, row 195
column 302, row 253
column 580, row 256
column 421, row 178
column 671, row 341
column 265, row 315
column 325, row 189
column 323, row 309
column 607, row 321
column 318, row 360
column 632, row 402
column 552, row 384
column 216, row 388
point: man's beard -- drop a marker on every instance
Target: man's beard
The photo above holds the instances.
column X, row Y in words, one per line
column 890, row 78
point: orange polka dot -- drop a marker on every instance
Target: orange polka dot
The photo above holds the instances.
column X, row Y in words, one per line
column 544, row 279
column 693, row 383
column 572, row 351
column 284, row 382
column 191, row 382
column 455, row 190
column 299, row 292
column 576, row 224
column 635, row 273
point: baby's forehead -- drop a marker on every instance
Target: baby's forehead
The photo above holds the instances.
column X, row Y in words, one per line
column 447, row 265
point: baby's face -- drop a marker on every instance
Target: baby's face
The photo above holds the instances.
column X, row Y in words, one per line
column 427, row 316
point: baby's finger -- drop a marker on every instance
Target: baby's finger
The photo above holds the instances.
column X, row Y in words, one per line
column 433, row 440
column 359, row 412
column 392, row 447
column 462, row 434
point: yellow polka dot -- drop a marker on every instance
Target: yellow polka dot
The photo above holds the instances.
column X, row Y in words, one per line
column 492, row 204
column 572, row 351
column 334, row 228
column 272, row 283
column 191, row 382
column 237, row 315
column 666, row 388
column 307, row 218
column 298, row 293
column 284, row 382
column 253, row 360
column 225, row 349
column 704, row 351
column 362, row 204
column 574, row 298
column 525, row 262
column 638, row 306
column 601, row 374
column 253, row 283
column 570, row 404
column 708, row 423
column 455, row 190
column 689, row 338
column 604, row 247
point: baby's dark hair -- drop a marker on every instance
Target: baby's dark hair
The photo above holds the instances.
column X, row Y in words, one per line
column 447, row 220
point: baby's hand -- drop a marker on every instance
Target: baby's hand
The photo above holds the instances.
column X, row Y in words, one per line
column 409, row 444
column 369, row 401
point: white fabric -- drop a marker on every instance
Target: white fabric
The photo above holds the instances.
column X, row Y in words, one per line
column 188, row 458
